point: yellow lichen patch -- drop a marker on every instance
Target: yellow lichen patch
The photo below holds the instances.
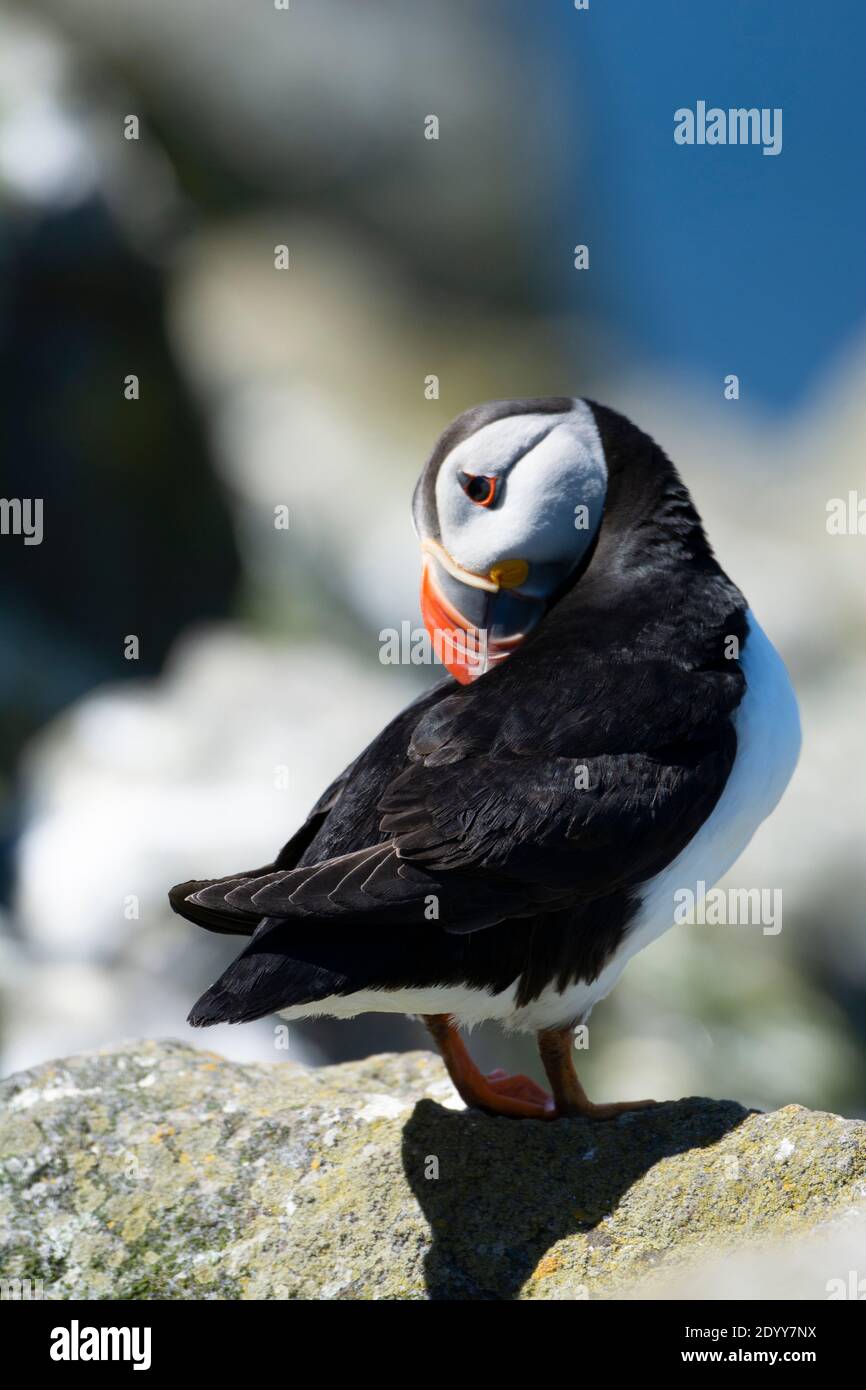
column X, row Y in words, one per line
column 546, row 1266
column 99, row 1120
column 136, row 1222
column 88, row 1197
column 162, row 1132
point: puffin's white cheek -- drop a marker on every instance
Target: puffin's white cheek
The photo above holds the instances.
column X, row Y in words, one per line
column 558, row 520
column 479, row 538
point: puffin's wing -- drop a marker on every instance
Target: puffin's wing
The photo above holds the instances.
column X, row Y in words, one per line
column 577, row 828
column 586, row 785
column 374, row 886
column 487, row 839
column 182, row 900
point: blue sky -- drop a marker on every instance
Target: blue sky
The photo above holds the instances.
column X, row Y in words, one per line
column 713, row 259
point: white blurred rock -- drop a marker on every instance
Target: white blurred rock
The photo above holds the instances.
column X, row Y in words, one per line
column 134, row 789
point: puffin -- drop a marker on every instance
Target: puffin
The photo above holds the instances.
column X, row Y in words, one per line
column 613, row 728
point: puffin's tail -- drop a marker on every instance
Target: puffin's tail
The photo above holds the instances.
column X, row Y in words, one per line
column 283, row 966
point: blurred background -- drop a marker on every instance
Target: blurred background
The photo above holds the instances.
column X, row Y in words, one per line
column 258, row 674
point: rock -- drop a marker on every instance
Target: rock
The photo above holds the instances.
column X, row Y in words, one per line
column 154, row 1170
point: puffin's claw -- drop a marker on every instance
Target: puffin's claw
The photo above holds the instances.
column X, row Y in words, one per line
column 517, row 1097
column 521, row 1088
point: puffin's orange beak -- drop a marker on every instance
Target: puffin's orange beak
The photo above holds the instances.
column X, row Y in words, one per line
column 459, row 646
column 466, row 648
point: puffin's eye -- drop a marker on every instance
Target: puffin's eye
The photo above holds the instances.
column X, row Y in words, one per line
column 478, row 488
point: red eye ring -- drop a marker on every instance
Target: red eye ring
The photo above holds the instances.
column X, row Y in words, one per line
column 479, row 488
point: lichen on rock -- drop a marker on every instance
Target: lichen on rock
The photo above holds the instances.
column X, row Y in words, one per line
column 155, row 1170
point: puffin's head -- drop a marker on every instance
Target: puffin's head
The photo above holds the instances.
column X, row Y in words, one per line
column 508, row 504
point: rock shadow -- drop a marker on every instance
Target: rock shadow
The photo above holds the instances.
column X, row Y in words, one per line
column 499, row 1193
